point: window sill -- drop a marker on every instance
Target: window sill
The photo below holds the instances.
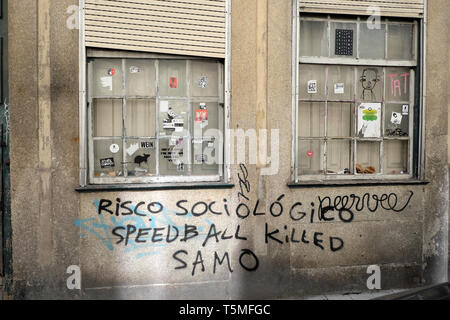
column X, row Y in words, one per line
column 360, row 183
column 151, row 187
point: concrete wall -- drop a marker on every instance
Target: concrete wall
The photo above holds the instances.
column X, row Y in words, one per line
column 55, row 227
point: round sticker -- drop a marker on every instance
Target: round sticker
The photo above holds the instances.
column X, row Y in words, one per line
column 310, row 154
column 114, row 148
column 111, row 71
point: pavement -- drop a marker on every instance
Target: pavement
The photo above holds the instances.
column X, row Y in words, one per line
column 355, row 296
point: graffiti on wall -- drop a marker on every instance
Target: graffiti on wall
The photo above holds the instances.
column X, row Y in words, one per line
column 150, row 227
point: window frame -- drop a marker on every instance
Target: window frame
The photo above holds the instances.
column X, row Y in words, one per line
column 158, row 137
column 415, row 154
column 85, row 178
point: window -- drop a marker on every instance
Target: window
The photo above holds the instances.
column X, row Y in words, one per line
column 356, row 99
column 155, row 120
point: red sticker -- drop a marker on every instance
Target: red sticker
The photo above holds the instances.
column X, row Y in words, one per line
column 201, row 115
column 173, row 82
column 310, row 154
column 112, row 71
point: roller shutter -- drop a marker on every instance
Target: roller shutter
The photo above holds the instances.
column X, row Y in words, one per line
column 389, row 8
column 187, row 27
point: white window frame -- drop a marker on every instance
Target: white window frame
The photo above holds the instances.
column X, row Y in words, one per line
column 297, row 60
column 86, row 177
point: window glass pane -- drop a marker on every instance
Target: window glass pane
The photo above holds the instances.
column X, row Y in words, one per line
column 204, row 79
column 398, row 84
column 370, row 84
column 107, row 78
column 140, row 157
column 313, row 38
column 172, row 116
column 205, row 116
column 372, row 42
column 400, row 41
column 340, row 120
column 343, row 39
column 172, row 78
column 339, row 157
column 107, row 117
column 205, row 161
column 141, row 119
column 311, row 119
column 396, row 120
column 108, row 158
column 341, row 83
column 395, row 157
column 141, row 77
column 310, row 157
column 173, row 156
column 312, row 82
column 368, row 158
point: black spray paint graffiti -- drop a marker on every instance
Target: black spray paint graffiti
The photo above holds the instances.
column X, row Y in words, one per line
column 369, row 80
column 324, row 209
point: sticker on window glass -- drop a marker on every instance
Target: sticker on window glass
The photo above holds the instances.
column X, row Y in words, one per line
column 180, row 167
column 111, row 71
column 405, row 109
column 141, row 159
column 135, row 69
column 132, row 149
column 312, row 86
column 338, row 88
column 164, row 106
column 106, row 82
column 114, row 148
column 107, row 163
column 201, row 158
column 201, row 116
column 396, row 118
column 369, row 120
column 173, row 82
column 202, row 82
column 147, row 145
column 310, row 154
column 344, row 42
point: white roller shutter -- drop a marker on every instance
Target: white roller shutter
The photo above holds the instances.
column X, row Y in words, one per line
column 389, row 8
column 187, row 27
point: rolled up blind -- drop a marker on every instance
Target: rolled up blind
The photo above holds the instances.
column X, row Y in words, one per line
column 186, row 27
column 388, row 8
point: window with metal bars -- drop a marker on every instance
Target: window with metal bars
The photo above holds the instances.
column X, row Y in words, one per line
column 356, row 98
column 155, row 120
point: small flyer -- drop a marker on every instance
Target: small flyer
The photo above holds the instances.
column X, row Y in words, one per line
column 369, row 120
column 312, row 86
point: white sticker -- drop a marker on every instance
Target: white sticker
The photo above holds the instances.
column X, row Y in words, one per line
column 338, row 88
column 396, row 118
column 202, row 82
column 134, row 69
column 405, row 110
column 114, row 148
column 179, row 129
column 312, row 86
column 164, row 106
column 369, row 120
column 132, row 149
column 107, row 82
